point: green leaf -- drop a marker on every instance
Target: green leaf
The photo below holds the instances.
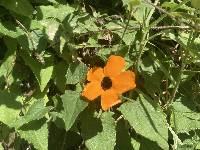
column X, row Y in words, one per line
column 1, row 147
column 86, row 24
column 36, row 133
column 147, row 120
column 8, row 29
column 36, row 111
column 123, row 137
column 45, row 76
column 22, row 7
column 195, row 3
column 96, row 136
column 129, row 37
column 184, row 118
column 198, row 146
column 10, row 107
column 5, row 131
column 60, row 139
column 73, row 105
column 190, row 141
column 7, row 66
column 153, row 71
column 51, row 26
column 148, row 144
column 190, row 44
column 76, row 73
column 38, row 38
column 42, row 72
column 59, row 75
column 143, row 12
column 59, row 12
column 131, row 3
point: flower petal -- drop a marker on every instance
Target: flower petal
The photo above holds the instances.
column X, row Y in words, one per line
column 92, row 90
column 109, row 98
column 114, row 66
column 95, row 73
column 124, row 82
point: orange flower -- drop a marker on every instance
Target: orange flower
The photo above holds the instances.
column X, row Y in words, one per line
column 109, row 82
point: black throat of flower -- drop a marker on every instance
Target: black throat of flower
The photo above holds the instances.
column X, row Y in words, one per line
column 106, row 83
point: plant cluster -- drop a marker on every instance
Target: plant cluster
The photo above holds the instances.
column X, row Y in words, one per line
column 52, row 50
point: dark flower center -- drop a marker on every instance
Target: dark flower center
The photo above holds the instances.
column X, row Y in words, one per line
column 106, row 83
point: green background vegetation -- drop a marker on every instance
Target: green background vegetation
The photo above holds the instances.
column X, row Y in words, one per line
column 47, row 47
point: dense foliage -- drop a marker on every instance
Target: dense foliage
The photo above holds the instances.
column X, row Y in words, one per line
column 47, row 47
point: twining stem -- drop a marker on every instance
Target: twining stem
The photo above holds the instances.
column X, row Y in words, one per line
column 126, row 98
column 141, row 49
column 183, row 64
column 193, row 71
column 144, row 38
column 175, row 90
column 160, row 9
column 126, row 27
column 166, row 14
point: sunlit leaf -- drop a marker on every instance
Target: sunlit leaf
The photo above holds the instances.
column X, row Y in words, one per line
column 99, row 136
column 147, row 120
column 75, row 73
column 10, row 106
column 36, row 133
column 73, row 105
column 195, row 3
column 184, row 118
